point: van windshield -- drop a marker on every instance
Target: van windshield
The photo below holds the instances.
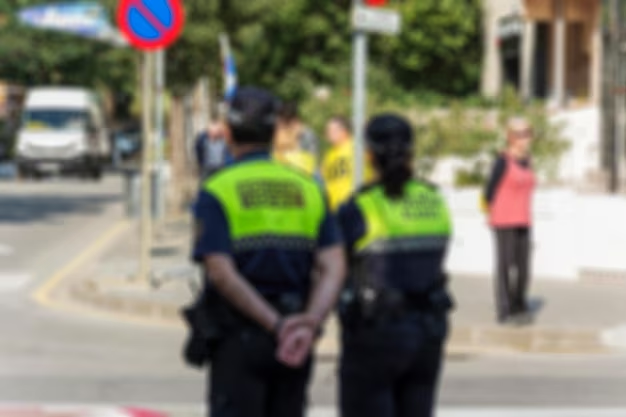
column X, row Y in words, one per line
column 41, row 119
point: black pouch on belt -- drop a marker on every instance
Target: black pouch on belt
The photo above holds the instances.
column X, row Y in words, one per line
column 441, row 303
column 204, row 330
column 439, row 298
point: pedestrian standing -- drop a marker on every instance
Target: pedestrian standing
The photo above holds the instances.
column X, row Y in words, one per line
column 263, row 228
column 338, row 164
column 212, row 152
column 508, row 196
column 394, row 311
column 295, row 144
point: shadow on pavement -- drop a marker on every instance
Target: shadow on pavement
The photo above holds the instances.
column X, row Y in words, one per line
column 536, row 304
column 27, row 209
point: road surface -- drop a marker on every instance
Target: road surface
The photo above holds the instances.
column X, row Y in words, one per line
column 50, row 357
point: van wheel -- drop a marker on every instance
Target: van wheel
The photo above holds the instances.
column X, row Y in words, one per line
column 23, row 173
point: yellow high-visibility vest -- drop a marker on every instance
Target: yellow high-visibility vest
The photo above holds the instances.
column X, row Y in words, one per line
column 338, row 173
column 299, row 159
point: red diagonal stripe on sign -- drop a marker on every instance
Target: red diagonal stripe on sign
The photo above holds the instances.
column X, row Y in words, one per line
column 151, row 18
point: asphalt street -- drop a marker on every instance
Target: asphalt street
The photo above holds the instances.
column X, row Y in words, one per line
column 48, row 356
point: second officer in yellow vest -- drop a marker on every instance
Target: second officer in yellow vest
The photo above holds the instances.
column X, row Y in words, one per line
column 394, row 310
column 262, row 228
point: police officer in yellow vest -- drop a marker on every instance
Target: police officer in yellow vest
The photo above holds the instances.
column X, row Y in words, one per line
column 394, row 310
column 263, row 228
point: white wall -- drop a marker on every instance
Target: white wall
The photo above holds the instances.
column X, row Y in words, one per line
column 582, row 129
column 571, row 233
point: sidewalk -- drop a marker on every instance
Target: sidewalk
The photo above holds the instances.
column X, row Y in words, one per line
column 573, row 318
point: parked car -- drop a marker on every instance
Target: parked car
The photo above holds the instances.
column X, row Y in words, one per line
column 126, row 144
column 63, row 129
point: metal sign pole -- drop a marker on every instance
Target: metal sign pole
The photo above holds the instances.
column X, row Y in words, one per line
column 359, row 97
column 160, row 134
column 620, row 58
column 618, row 98
column 146, row 209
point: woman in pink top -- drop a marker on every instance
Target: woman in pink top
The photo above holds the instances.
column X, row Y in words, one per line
column 509, row 198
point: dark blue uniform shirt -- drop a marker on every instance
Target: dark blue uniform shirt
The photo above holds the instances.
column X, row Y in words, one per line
column 270, row 270
column 410, row 272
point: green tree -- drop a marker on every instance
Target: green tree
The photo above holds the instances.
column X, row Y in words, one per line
column 30, row 56
column 439, row 48
column 287, row 46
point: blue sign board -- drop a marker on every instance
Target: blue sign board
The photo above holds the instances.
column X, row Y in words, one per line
column 88, row 20
column 229, row 67
column 230, row 76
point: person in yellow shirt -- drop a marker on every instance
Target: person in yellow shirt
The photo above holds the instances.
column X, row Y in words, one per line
column 294, row 143
column 338, row 164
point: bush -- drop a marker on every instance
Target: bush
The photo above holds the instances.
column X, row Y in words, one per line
column 471, row 177
column 549, row 144
column 470, row 129
column 477, row 134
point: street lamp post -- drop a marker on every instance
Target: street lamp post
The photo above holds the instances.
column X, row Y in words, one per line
column 359, row 99
column 159, row 133
column 146, row 174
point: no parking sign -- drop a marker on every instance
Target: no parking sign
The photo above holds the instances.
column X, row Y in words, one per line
column 151, row 24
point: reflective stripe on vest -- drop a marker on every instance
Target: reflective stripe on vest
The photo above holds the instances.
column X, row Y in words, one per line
column 419, row 221
column 268, row 205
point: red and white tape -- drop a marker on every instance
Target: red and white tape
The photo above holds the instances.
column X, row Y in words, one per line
column 76, row 411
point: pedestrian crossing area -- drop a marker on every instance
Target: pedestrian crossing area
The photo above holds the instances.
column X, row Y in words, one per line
column 6, row 250
column 75, row 411
column 11, row 281
column 199, row 411
column 492, row 412
column 502, row 412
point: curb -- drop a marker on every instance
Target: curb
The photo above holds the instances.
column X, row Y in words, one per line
column 90, row 299
column 87, row 294
column 59, row 292
column 464, row 340
column 529, row 340
column 44, row 294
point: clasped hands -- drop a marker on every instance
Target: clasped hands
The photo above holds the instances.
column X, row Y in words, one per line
column 295, row 335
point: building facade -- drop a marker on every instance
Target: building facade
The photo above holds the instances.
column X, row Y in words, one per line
column 563, row 51
column 548, row 49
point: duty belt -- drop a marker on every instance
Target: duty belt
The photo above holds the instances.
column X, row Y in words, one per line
column 390, row 303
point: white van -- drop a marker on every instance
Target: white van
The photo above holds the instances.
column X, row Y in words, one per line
column 63, row 130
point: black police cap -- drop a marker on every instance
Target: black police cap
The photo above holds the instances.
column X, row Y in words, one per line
column 389, row 134
column 253, row 107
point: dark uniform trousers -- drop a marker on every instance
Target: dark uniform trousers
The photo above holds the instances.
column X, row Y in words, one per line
column 513, row 264
column 392, row 370
column 246, row 380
